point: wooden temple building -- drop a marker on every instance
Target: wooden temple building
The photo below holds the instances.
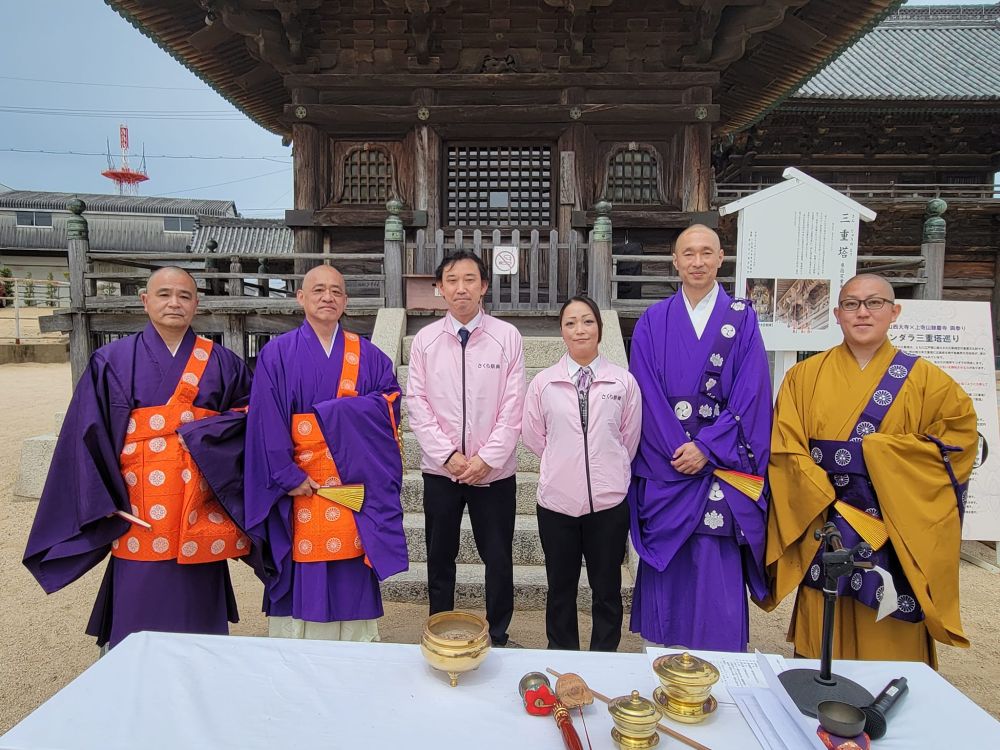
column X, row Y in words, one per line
column 586, row 132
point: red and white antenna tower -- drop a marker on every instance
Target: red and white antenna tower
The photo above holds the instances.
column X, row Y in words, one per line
column 126, row 178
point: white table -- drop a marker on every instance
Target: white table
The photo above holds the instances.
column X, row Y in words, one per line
column 158, row 690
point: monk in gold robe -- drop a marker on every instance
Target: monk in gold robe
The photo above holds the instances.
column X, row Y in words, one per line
column 882, row 443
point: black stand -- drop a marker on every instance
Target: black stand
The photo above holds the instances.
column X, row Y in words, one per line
column 810, row 687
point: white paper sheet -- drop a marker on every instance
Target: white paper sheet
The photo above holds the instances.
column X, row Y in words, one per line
column 765, row 715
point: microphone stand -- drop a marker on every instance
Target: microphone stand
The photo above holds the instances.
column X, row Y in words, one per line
column 810, row 687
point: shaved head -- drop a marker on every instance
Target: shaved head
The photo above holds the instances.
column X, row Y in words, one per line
column 698, row 228
column 324, row 273
column 867, row 279
column 323, row 297
column 175, row 273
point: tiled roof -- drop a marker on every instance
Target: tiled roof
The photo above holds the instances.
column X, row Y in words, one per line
column 271, row 236
column 949, row 52
column 29, row 200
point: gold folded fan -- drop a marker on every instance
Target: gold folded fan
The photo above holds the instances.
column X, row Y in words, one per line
column 750, row 485
column 349, row 495
column 869, row 528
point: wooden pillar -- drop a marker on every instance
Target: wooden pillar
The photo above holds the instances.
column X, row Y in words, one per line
column 696, row 164
column 392, row 262
column 311, row 182
column 933, row 248
column 599, row 266
column 427, row 179
column 80, row 343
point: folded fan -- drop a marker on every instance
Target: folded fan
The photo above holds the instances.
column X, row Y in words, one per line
column 750, row 485
column 349, row 495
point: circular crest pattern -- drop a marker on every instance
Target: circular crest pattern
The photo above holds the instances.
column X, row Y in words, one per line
column 157, row 422
column 728, row 331
column 158, row 445
column 333, row 544
column 865, row 428
column 814, row 572
column 187, row 416
column 304, row 515
column 841, row 480
column 158, row 512
column 331, row 513
column 132, row 544
column 304, row 427
column 157, row 477
column 882, row 397
column 200, row 354
column 160, row 545
column 906, row 603
column 816, row 454
column 842, row 457
column 217, row 546
column 856, row 582
column 305, row 546
column 189, row 549
column 898, row 371
column 216, row 518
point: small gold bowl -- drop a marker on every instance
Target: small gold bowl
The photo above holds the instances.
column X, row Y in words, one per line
column 685, row 692
column 455, row 642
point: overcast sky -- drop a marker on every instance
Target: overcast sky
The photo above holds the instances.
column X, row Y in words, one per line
column 89, row 69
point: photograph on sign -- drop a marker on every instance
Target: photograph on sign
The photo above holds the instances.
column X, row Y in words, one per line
column 803, row 304
column 505, row 260
column 958, row 338
column 761, row 293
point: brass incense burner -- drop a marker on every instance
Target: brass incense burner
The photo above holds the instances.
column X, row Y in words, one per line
column 635, row 720
column 455, row 642
column 685, row 692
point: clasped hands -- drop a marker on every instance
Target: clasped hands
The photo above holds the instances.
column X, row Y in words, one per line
column 467, row 470
column 688, row 459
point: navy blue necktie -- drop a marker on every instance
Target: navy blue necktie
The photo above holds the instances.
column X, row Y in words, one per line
column 463, row 333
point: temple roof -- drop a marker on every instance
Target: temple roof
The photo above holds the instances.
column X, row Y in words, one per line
column 762, row 51
column 949, row 52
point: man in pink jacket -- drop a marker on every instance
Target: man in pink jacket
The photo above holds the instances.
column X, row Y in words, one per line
column 465, row 395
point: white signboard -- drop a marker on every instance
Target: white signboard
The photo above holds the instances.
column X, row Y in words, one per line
column 505, row 260
column 958, row 338
column 794, row 255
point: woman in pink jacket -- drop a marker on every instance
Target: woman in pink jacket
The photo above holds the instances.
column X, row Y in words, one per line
column 582, row 417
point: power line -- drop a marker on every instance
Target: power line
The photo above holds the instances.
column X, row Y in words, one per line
column 108, row 85
column 199, row 115
column 276, row 159
column 220, row 184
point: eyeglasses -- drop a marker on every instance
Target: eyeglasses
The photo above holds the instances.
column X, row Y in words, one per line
column 872, row 304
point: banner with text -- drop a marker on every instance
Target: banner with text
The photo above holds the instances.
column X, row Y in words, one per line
column 958, row 338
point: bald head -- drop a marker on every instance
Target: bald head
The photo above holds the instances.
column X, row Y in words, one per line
column 170, row 300
column 322, row 274
column 175, row 274
column 870, row 282
column 323, row 298
column 709, row 235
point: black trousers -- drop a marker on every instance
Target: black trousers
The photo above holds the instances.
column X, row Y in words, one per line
column 491, row 511
column 600, row 539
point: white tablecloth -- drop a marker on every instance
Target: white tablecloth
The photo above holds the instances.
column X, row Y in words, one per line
column 158, row 690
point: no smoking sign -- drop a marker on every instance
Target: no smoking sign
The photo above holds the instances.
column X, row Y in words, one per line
column 505, row 260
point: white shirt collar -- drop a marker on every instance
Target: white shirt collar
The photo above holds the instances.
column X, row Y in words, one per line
column 701, row 312
column 332, row 339
column 573, row 367
column 470, row 326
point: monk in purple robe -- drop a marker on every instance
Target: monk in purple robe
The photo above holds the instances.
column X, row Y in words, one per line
column 701, row 366
column 121, row 480
column 323, row 420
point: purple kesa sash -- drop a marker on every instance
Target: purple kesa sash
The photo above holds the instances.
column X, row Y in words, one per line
column 696, row 411
column 844, row 463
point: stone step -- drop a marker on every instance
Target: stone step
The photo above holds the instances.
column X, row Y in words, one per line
column 413, row 492
column 529, row 587
column 403, row 372
column 527, row 547
column 539, row 351
column 526, row 460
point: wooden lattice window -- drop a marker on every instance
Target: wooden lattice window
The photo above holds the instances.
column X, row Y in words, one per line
column 369, row 176
column 499, row 185
column 633, row 177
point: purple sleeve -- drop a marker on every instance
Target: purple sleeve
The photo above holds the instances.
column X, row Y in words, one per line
column 746, row 418
column 662, row 435
column 269, row 470
column 361, row 436
column 71, row 532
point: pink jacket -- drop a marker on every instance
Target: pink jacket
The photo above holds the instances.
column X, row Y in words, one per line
column 490, row 401
column 551, row 429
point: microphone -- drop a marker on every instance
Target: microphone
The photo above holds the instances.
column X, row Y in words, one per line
column 876, row 722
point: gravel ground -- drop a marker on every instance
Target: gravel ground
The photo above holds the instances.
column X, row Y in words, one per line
column 43, row 645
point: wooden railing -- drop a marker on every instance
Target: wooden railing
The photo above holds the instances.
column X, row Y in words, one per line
column 549, row 271
column 732, row 191
column 653, row 277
